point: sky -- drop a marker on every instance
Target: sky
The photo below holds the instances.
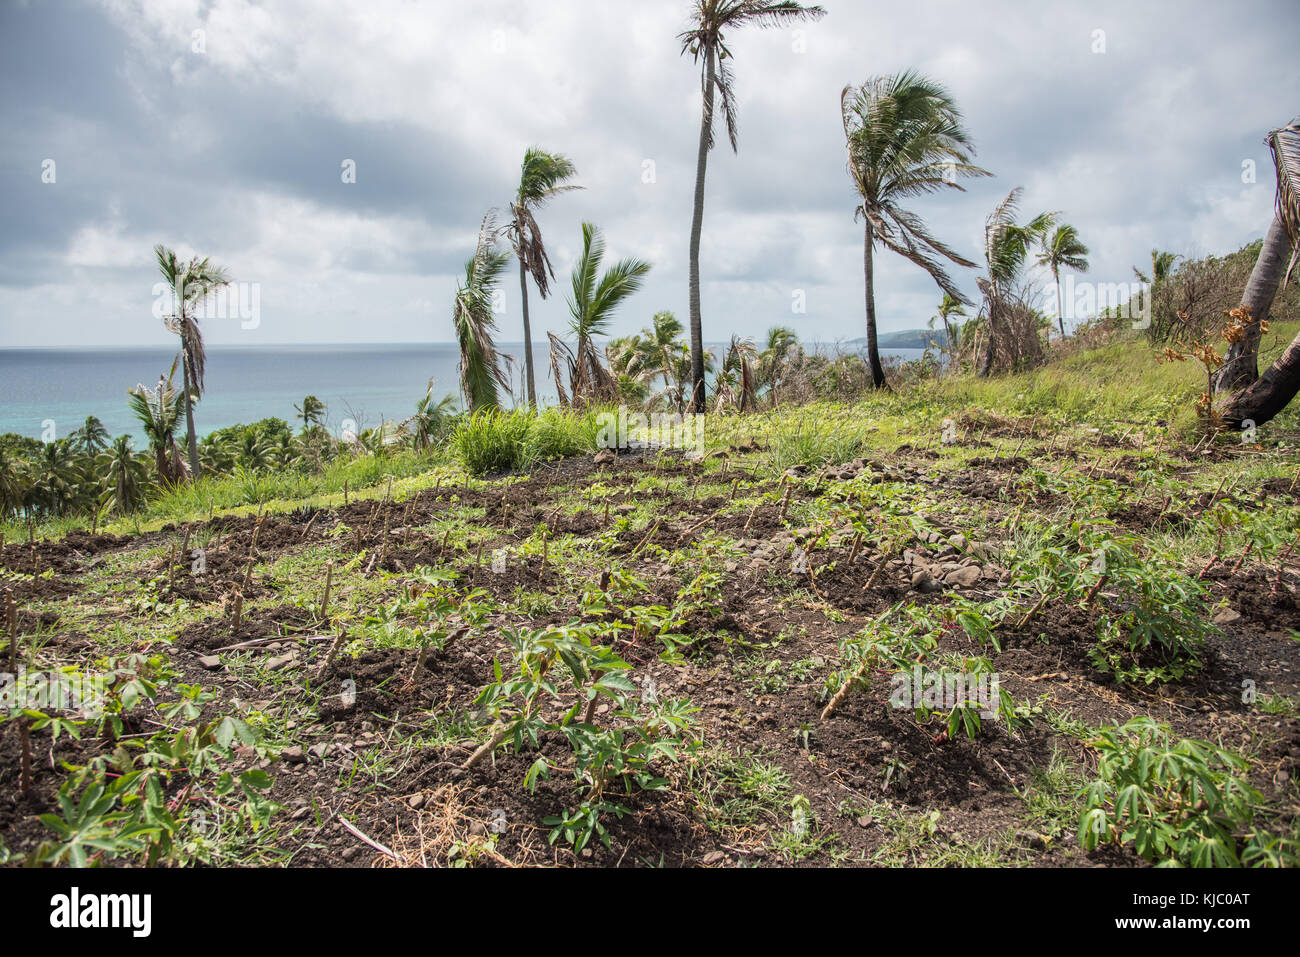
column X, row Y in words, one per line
column 228, row 128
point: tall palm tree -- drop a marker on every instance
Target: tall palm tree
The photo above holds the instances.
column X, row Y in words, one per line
column 125, row 477
column 1063, row 248
column 481, row 374
column 592, row 300
column 190, row 283
column 1264, row 396
column 158, row 411
column 905, row 138
column 706, row 45
column 543, row 175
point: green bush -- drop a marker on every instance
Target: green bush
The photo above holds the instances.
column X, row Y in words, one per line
column 492, row 440
column 1180, row 804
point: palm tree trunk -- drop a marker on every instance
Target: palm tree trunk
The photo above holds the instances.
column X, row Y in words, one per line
column 1269, row 394
column 189, row 414
column 1060, row 309
column 873, row 350
column 1241, row 366
column 528, row 337
column 697, row 222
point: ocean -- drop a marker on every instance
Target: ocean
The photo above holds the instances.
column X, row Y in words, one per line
column 46, row 392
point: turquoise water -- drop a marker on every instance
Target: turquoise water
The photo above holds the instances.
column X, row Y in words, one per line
column 366, row 383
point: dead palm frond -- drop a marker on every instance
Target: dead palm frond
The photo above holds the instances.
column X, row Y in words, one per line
column 481, row 373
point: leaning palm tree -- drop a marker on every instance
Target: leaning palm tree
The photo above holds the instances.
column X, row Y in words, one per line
column 1007, row 244
column 1063, row 248
column 158, row 411
column 190, row 283
column 543, row 175
column 704, row 41
column 481, row 373
column 592, row 301
column 1264, row 397
column 905, row 139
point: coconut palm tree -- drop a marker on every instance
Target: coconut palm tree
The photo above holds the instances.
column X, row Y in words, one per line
column 781, row 342
column 542, row 176
column 91, row 437
column 1264, row 397
column 125, row 476
column 158, row 411
column 1007, row 245
column 592, row 300
column 481, row 374
column 705, row 43
column 1063, row 248
column 1162, row 267
column 736, row 384
column 14, row 482
column 190, row 283
column 905, row 139
column 949, row 309
column 431, row 419
column 312, row 413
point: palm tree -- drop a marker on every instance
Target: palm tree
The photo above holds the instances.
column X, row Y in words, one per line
column 431, row 420
column 1063, row 248
column 1007, row 245
column 312, row 413
column 781, row 341
column 949, row 308
column 158, row 411
column 92, row 437
column 592, row 300
column 736, row 384
column 543, row 175
column 704, row 41
column 13, row 482
column 481, row 375
column 1264, row 397
column 1162, row 267
column 905, row 139
column 190, row 283
column 125, row 476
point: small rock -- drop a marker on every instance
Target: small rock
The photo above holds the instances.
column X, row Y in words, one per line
column 210, row 662
column 605, row 457
column 293, row 755
column 1225, row 616
column 866, row 821
column 350, row 852
column 281, row 662
column 714, row 857
column 965, row 577
column 415, row 802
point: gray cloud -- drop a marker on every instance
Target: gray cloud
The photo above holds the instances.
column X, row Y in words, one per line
column 235, row 151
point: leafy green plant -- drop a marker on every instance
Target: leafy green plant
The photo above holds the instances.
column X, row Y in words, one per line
column 1184, row 802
